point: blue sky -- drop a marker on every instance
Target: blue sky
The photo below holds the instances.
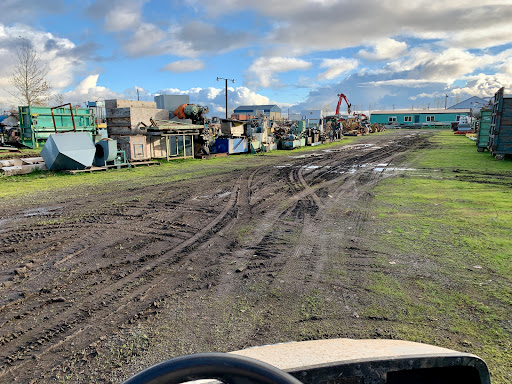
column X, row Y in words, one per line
column 300, row 54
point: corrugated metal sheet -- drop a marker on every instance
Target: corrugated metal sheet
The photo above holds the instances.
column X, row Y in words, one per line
column 253, row 108
column 500, row 134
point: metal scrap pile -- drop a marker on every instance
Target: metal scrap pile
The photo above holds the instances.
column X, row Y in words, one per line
column 356, row 127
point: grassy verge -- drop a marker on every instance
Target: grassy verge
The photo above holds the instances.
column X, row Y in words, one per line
column 21, row 153
column 450, row 280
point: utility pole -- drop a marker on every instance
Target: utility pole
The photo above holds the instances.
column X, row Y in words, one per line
column 233, row 80
column 445, row 100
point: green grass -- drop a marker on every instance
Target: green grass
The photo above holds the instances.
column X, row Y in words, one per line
column 458, row 230
column 41, row 181
column 22, row 153
column 459, row 152
column 166, row 172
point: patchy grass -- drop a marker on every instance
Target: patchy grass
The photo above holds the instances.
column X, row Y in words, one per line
column 167, row 172
column 313, row 306
column 23, row 152
column 450, row 236
column 458, row 152
column 176, row 170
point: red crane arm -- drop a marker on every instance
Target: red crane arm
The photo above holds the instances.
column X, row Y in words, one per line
column 342, row 97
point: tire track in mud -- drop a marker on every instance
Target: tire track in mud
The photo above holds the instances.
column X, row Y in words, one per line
column 84, row 244
column 116, row 292
column 301, row 268
column 300, row 191
column 292, row 211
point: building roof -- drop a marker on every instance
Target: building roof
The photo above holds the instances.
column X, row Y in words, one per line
column 472, row 102
column 8, row 120
column 255, row 107
column 421, row 111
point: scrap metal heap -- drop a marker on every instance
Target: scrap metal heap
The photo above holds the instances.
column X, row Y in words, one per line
column 146, row 132
column 196, row 113
column 202, row 134
column 260, row 133
column 10, row 129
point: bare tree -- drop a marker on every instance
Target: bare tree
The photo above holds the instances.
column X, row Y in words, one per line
column 58, row 99
column 29, row 76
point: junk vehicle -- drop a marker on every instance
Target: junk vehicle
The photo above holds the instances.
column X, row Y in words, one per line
column 339, row 361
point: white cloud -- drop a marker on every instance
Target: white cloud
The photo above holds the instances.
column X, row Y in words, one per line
column 507, row 68
column 214, row 98
column 336, row 67
column 315, row 25
column 445, row 66
column 263, row 70
column 184, row 66
column 123, row 15
column 384, row 49
column 89, row 90
column 245, row 96
column 190, row 39
column 62, row 69
column 399, row 83
column 136, row 92
column 28, row 9
column 483, row 85
column 145, row 41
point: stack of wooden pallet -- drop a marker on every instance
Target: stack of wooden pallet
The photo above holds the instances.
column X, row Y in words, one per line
column 13, row 167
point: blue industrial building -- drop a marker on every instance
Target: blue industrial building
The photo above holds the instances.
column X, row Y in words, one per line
column 418, row 118
column 273, row 112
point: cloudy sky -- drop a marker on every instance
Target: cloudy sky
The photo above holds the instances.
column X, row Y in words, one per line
column 300, row 54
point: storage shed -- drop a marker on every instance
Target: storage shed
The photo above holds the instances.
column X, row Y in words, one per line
column 500, row 133
column 419, row 118
column 273, row 112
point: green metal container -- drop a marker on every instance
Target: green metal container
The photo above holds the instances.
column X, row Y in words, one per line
column 37, row 123
column 483, row 129
column 500, row 134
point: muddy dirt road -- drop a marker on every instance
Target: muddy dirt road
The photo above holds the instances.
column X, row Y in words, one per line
column 94, row 288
